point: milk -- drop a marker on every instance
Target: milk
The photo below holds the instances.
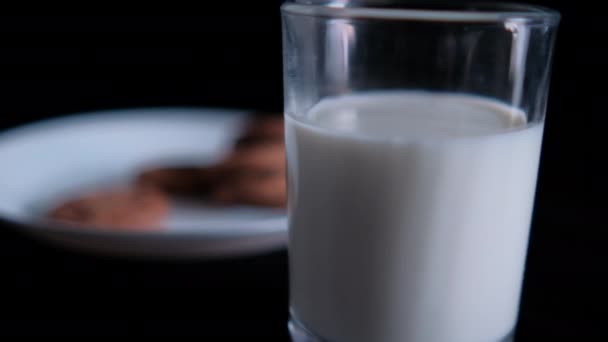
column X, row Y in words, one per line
column 409, row 215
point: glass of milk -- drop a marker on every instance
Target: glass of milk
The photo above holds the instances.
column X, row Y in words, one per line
column 413, row 137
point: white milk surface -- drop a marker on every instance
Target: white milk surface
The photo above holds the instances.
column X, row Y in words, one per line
column 409, row 216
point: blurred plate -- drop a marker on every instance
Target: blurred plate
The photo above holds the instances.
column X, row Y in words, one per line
column 44, row 162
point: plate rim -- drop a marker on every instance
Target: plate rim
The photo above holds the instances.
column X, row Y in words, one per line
column 278, row 224
column 57, row 121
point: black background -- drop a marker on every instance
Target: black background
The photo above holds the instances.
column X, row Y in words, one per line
column 57, row 63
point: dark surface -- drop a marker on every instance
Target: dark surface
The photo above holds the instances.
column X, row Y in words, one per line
column 58, row 64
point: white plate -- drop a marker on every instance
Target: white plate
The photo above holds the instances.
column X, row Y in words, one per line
column 46, row 161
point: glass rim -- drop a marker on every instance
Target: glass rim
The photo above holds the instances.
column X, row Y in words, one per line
column 493, row 11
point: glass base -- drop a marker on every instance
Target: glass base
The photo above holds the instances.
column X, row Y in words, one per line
column 299, row 333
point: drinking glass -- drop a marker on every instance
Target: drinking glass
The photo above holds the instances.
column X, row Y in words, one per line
column 413, row 135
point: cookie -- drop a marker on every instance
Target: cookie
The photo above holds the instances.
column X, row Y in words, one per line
column 252, row 173
column 265, row 127
column 136, row 208
column 181, row 181
column 264, row 189
column 268, row 155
